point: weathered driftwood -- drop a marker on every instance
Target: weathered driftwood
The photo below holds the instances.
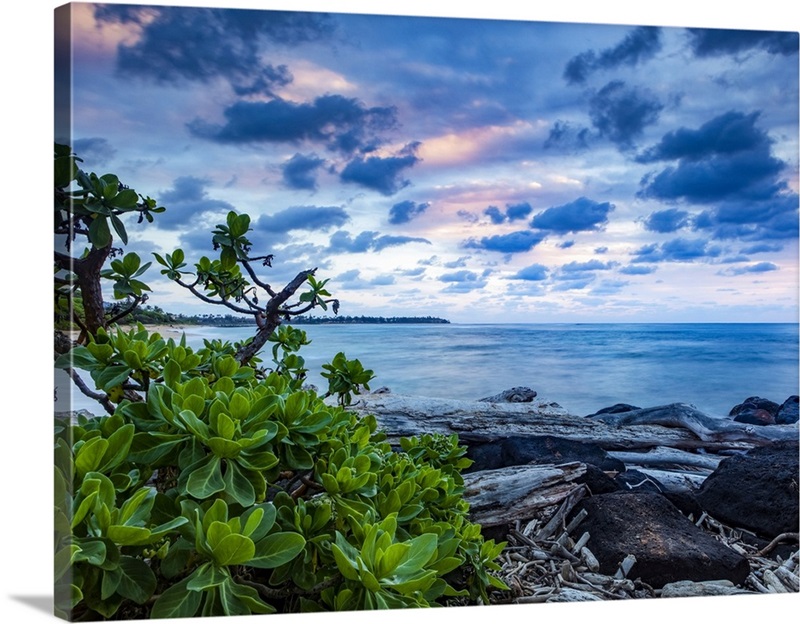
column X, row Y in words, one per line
column 499, row 497
column 674, row 482
column 677, row 426
column 705, row 427
column 662, row 456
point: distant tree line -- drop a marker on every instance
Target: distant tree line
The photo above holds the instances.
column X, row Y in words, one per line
column 154, row 315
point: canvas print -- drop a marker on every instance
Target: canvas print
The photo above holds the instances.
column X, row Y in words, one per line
column 388, row 312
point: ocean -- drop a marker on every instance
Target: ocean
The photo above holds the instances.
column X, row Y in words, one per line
column 582, row 367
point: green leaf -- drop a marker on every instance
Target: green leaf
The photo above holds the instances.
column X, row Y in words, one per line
column 206, row 480
column 177, row 601
column 119, row 228
column 237, row 486
column 137, row 580
column 277, row 549
column 99, row 234
column 207, row 576
column 172, row 373
column 119, row 444
column 89, row 456
column 234, row 549
column 128, row 535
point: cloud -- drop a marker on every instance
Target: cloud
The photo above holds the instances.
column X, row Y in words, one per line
column 581, row 215
column 727, row 133
column 339, row 123
column 515, row 242
column 669, row 220
column 299, row 171
column 566, row 244
column 761, row 248
column 677, row 250
column 761, row 267
column 609, row 287
column 186, row 201
column 591, row 265
column 641, row 44
column 202, row 44
column 304, row 218
column 381, row 174
column 495, row 214
column 718, row 42
column 566, row 136
column 532, row 273
column 621, row 113
column 727, row 165
column 405, row 211
column 342, row 241
column 638, row 269
column 513, row 212
column 95, row 150
column 462, row 281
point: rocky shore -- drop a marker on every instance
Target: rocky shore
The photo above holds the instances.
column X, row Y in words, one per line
column 625, row 503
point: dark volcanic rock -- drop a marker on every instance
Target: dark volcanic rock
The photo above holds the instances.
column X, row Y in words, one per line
column 597, row 481
column 668, row 547
column 755, row 411
column 633, row 480
column 514, row 395
column 617, row 408
column 757, row 491
column 520, row 450
column 787, row 413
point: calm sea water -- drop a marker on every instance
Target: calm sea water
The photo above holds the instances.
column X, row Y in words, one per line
column 583, row 367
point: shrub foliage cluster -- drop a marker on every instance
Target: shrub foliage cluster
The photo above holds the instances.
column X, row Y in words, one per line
column 217, row 483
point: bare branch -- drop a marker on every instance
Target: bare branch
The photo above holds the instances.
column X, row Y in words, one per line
column 207, row 299
column 97, row 396
column 136, row 301
column 254, row 277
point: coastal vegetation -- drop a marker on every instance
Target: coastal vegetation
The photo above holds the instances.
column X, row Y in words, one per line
column 216, row 483
column 154, row 315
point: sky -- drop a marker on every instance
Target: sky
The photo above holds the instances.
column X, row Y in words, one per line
column 481, row 170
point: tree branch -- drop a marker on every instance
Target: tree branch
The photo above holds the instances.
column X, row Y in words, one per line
column 256, row 280
column 97, row 396
column 207, row 299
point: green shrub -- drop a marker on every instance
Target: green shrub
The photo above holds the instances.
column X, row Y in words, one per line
column 224, row 493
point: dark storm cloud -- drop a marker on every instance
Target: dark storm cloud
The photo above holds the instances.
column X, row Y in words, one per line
column 620, row 113
column 405, row 211
column 299, row 171
column 303, row 218
column 677, row 250
column 202, row 44
column 718, row 42
column 727, row 165
column 339, row 123
column 342, row 241
column 380, row 174
column 583, row 214
column 515, row 242
column 185, row 201
column 669, row 220
column 728, row 133
column 95, row 150
column 639, row 45
column 532, row 273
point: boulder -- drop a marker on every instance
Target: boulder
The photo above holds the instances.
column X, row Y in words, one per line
column 667, row 546
column 755, row 411
column 517, row 450
column 788, row 413
column 514, row 395
column 757, row 491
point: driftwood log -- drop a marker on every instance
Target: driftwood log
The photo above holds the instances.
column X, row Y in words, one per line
column 675, row 426
column 501, row 496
